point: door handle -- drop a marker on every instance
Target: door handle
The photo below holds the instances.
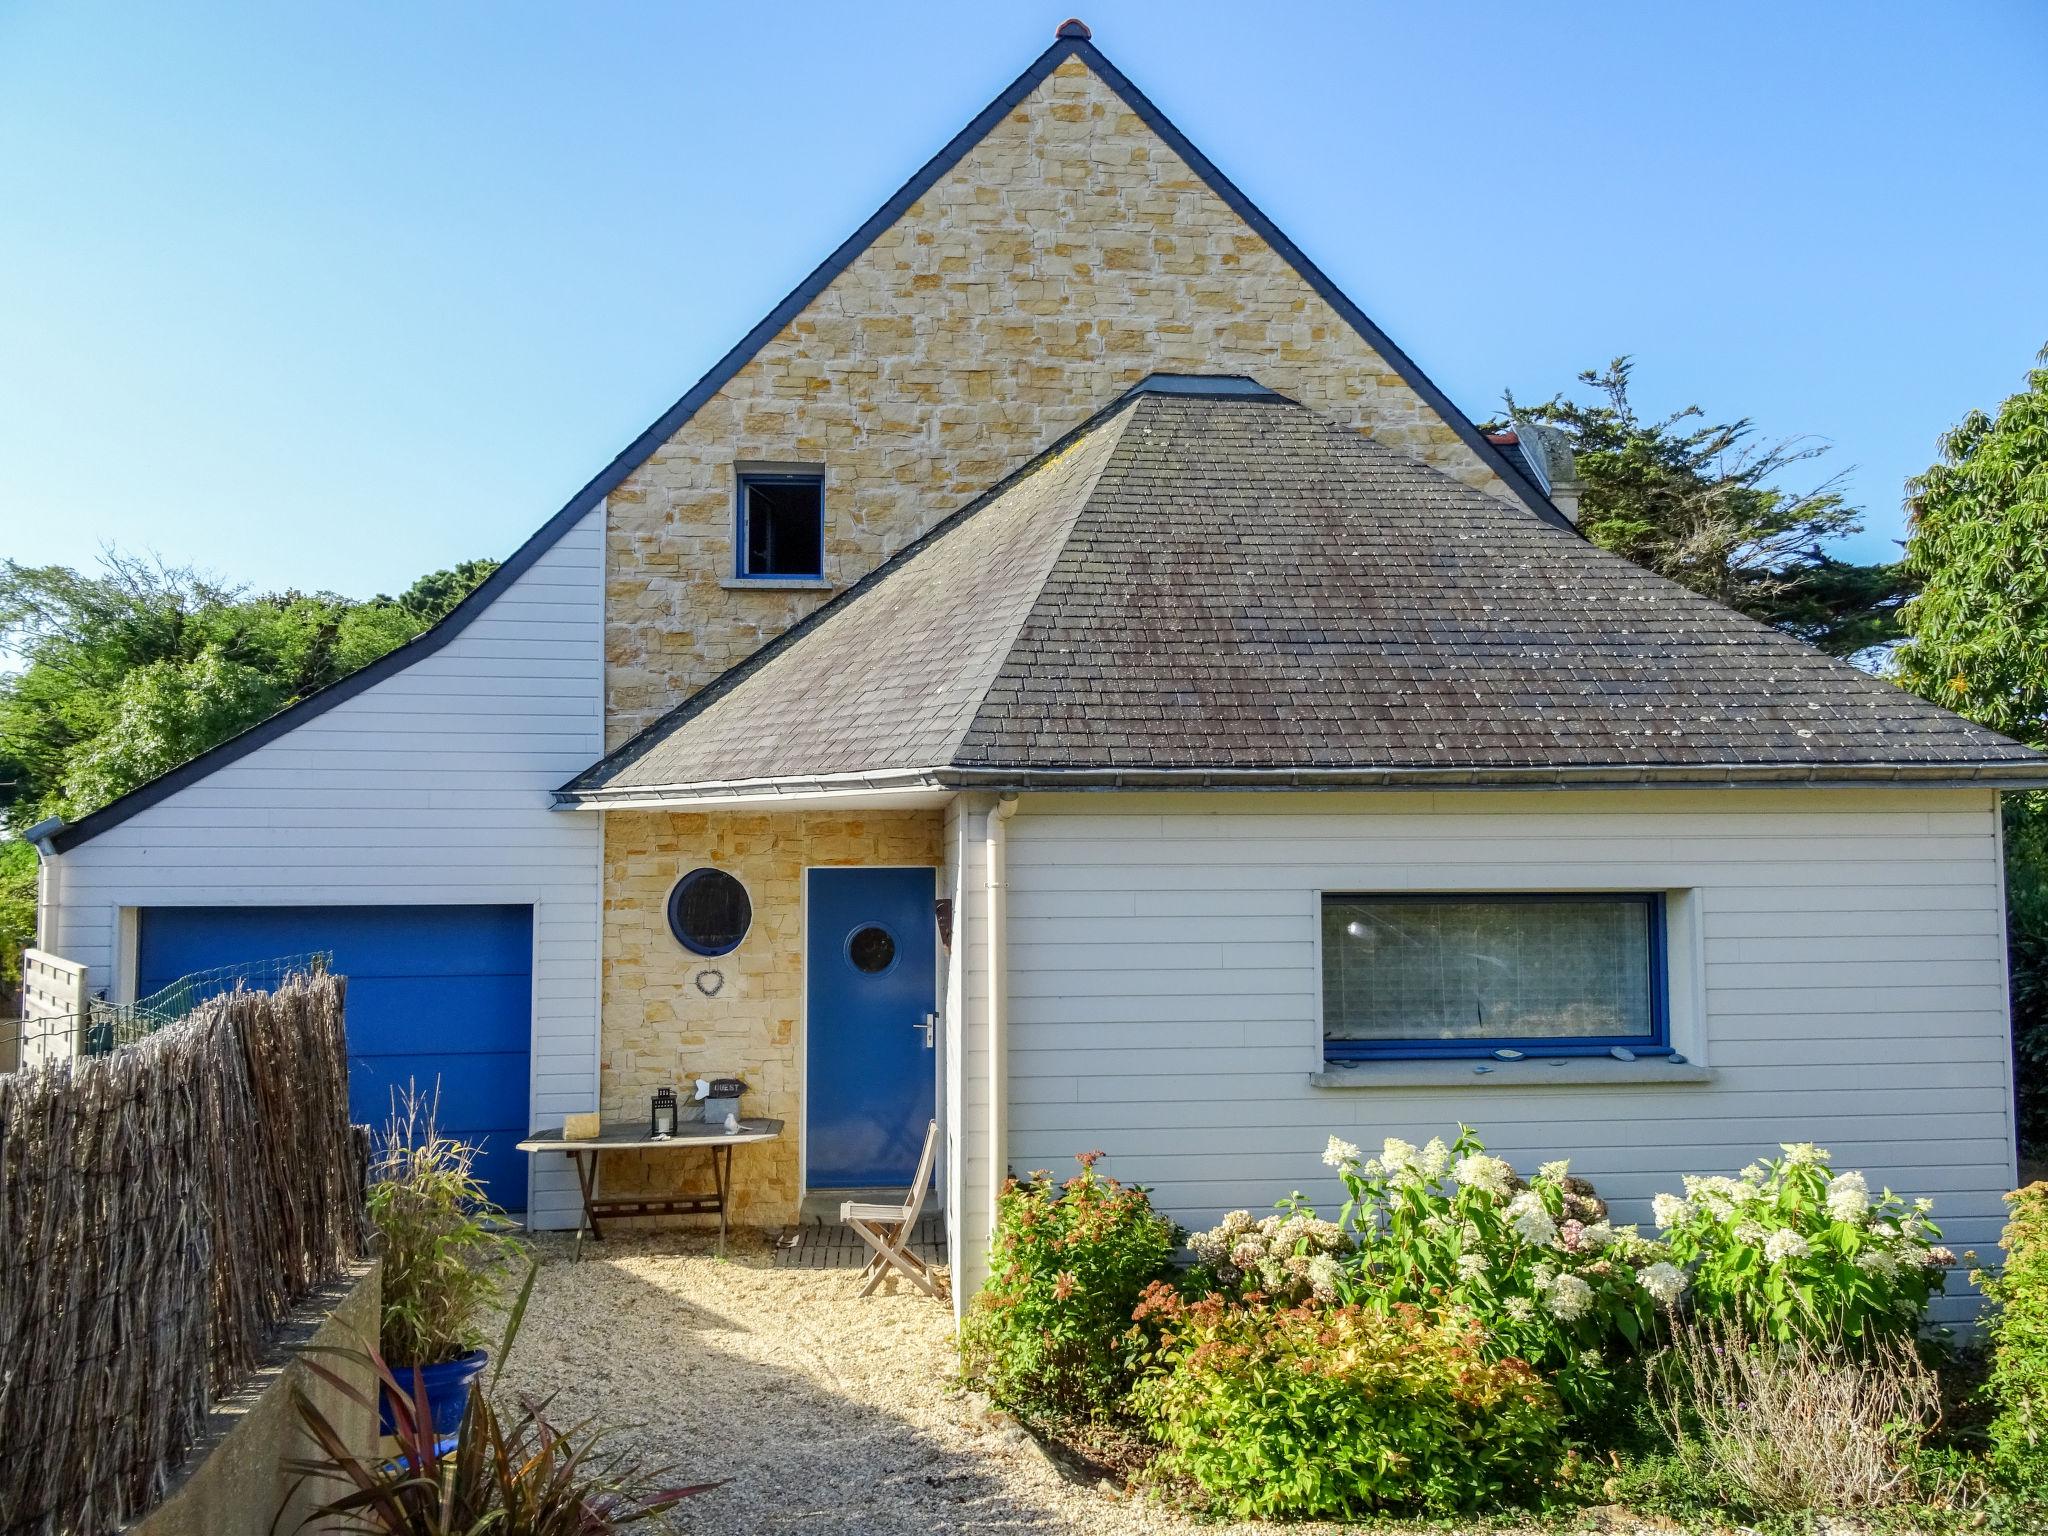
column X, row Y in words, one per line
column 930, row 1027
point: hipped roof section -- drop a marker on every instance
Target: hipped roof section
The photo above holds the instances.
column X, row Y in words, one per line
column 1210, row 584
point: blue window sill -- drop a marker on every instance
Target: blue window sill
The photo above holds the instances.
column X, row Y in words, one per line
column 1531, row 1072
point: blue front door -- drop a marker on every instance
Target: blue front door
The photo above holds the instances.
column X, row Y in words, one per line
column 871, row 972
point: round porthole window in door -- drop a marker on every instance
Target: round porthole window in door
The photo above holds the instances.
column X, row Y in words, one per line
column 871, row 948
column 709, row 912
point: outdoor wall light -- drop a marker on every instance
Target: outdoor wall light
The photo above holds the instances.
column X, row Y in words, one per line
column 662, row 1121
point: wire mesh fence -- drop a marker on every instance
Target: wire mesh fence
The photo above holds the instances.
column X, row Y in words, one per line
column 162, row 1207
column 101, row 1026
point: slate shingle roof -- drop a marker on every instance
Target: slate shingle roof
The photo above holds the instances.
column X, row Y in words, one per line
column 1229, row 585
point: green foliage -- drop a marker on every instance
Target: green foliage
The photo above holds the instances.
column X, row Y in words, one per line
column 1336, row 1412
column 438, row 1235
column 1979, row 546
column 2018, row 1385
column 1797, row 1251
column 2026, row 948
column 1699, row 502
column 131, row 670
column 17, row 911
column 1535, row 1261
column 1067, row 1264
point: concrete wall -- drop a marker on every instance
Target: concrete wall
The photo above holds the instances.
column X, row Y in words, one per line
column 1838, row 971
column 661, row 1029
column 234, row 1482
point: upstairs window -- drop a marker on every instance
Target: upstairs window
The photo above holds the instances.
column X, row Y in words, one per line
column 781, row 527
column 1479, row 975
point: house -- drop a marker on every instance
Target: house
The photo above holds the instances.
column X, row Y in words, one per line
column 1067, row 673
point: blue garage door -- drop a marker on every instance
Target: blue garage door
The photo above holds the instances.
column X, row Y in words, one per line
column 435, row 994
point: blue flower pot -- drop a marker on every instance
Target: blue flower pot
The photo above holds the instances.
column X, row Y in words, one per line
column 445, row 1388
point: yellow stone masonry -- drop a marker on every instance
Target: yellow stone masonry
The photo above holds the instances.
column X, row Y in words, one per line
column 1065, row 257
column 661, row 1029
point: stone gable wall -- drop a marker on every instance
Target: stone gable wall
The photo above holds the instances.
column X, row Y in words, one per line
column 661, row 1029
column 1064, row 258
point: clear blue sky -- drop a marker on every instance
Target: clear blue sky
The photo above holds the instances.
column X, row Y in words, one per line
column 331, row 294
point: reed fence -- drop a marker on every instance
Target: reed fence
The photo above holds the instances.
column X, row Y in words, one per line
column 162, row 1207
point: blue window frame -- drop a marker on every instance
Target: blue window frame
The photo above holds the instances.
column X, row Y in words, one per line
column 780, row 533
column 1465, row 975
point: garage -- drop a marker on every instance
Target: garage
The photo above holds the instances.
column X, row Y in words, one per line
column 436, row 994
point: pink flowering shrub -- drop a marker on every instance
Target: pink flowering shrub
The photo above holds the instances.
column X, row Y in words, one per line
column 1046, row 1334
column 1798, row 1251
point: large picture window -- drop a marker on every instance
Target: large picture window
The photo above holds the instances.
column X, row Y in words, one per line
column 1471, row 975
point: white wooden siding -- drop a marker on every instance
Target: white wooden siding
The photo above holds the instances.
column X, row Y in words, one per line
column 1164, row 1002
column 432, row 786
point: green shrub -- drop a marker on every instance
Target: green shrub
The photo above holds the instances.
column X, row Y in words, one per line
column 438, row 1237
column 1336, row 1412
column 1535, row 1262
column 1046, row 1334
column 2018, row 1386
column 1800, row 1251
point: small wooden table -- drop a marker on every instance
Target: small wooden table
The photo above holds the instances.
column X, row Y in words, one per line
column 690, row 1136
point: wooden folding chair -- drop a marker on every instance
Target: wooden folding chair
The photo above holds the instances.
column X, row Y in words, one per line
column 888, row 1229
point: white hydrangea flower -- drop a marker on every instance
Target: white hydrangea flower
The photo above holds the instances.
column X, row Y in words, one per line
column 1471, row 1265
column 1481, row 1172
column 1568, row 1298
column 1754, row 1173
column 1848, row 1196
column 1519, row 1308
column 1541, row 1275
column 1665, row 1282
column 1532, row 1223
column 1435, row 1160
column 1555, row 1171
column 1751, row 1232
column 1785, row 1244
column 1924, row 1206
column 1669, row 1210
column 1397, row 1156
column 1322, row 1277
column 1597, row 1236
column 1800, row 1152
column 1881, row 1262
column 1339, row 1153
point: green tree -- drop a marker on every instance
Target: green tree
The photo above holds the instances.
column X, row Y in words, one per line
column 1978, row 643
column 126, row 672
column 1700, row 502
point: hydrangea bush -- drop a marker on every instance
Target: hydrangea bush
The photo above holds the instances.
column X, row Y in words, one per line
column 1535, row 1261
column 1798, row 1250
column 1289, row 1257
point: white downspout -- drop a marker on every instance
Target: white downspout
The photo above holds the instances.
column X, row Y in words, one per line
column 998, row 1006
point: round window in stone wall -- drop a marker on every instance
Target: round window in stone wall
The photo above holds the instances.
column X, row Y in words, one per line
column 872, row 949
column 709, row 912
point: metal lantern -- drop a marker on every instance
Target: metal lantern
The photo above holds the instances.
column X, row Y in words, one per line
column 662, row 1120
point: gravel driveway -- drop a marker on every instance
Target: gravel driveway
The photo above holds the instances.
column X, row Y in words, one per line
column 828, row 1413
